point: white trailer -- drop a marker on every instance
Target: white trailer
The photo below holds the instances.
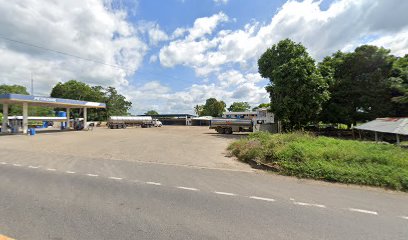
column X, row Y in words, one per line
column 243, row 121
column 230, row 125
column 115, row 122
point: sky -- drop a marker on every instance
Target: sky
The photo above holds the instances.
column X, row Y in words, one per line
column 170, row 55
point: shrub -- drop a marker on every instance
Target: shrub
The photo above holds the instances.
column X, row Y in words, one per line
column 346, row 161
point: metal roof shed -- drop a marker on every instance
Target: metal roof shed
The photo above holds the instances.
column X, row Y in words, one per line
column 29, row 100
column 397, row 126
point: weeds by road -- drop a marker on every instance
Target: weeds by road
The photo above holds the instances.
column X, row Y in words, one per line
column 329, row 159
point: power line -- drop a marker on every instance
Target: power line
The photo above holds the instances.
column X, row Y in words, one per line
column 62, row 53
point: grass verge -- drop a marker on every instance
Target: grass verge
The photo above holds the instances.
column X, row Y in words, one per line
column 329, row 159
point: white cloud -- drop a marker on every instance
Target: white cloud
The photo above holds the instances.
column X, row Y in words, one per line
column 153, row 58
column 398, row 43
column 232, row 86
column 344, row 25
column 192, row 50
column 221, row 1
column 90, row 29
column 152, row 30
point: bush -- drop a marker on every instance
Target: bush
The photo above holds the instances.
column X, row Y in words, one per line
column 323, row 158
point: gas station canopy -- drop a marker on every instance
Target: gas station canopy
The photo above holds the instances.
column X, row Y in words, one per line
column 29, row 100
column 48, row 101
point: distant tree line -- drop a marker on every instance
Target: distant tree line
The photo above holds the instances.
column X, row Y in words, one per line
column 116, row 104
column 345, row 88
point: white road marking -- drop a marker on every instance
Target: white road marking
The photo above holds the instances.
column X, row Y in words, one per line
column 115, row 178
column 70, row 172
column 262, row 198
column 188, row 188
column 51, row 169
column 17, row 165
column 33, row 167
column 309, row 204
column 404, row 217
column 225, row 193
column 4, row 163
column 363, row 211
column 154, row 183
column 92, row 175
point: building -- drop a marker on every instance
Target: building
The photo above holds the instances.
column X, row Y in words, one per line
column 242, row 115
column 201, row 121
column 261, row 115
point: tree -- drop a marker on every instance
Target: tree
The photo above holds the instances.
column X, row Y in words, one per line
column 360, row 85
column 213, row 107
column 297, row 88
column 239, row 107
column 198, row 109
column 262, row 105
column 76, row 90
column 399, row 79
column 151, row 112
column 116, row 103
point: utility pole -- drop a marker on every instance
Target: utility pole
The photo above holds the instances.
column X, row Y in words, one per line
column 32, row 84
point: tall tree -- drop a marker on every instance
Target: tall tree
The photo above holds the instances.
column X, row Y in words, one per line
column 116, row 103
column 213, row 107
column 399, row 81
column 198, row 109
column 297, row 88
column 151, row 112
column 76, row 90
column 239, row 107
column 262, row 105
column 360, row 85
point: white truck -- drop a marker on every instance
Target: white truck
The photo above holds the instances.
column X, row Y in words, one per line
column 115, row 122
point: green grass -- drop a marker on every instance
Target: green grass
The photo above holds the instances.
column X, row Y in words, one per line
column 328, row 159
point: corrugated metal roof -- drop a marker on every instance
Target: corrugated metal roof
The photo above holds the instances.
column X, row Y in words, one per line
column 386, row 125
column 203, row 118
column 239, row 113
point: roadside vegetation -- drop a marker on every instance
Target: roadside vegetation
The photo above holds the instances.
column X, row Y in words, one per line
column 329, row 159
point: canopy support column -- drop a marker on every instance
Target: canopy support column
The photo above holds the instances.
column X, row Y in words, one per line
column 376, row 136
column 398, row 139
column 25, row 118
column 5, row 119
column 85, row 118
column 68, row 116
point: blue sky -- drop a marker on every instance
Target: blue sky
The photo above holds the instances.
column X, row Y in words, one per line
column 177, row 13
column 175, row 54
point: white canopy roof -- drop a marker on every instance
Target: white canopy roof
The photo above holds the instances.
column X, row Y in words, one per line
column 386, row 125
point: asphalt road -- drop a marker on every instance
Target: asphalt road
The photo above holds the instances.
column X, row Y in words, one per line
column 106, row 199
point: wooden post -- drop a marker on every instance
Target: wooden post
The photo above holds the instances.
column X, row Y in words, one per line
column 398, row 139
column 376, row 136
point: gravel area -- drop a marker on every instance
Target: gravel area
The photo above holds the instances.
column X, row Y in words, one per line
column 178, row 145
